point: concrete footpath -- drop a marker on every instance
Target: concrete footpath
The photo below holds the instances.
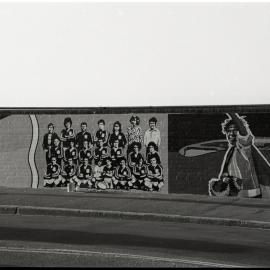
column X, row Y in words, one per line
column 133, row 205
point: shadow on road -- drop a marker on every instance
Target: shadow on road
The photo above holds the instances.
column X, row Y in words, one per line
column 113, row 239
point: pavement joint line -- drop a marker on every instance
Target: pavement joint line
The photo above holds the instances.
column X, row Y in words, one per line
column 32, row 210
column 115, row 254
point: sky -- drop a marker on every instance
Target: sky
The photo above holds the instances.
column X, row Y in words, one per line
column 88, row 54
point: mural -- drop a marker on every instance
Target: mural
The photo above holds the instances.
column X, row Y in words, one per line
column 93, row 151
column 240, row 160
column 244, row 167
column 109, row 156
column 214, row 154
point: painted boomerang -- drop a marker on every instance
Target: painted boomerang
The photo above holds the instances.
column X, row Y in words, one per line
column 207, row 147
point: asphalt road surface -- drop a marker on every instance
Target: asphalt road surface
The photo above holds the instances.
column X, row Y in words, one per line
column 102, row 242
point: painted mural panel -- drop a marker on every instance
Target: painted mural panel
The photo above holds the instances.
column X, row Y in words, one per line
column 220, row 154
column 15, row 141
column 103, row 152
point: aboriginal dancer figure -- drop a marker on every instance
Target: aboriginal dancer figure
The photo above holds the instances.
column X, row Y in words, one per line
column 245, row 172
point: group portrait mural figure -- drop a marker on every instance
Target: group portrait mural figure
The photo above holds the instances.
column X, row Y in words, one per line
column 104, row 159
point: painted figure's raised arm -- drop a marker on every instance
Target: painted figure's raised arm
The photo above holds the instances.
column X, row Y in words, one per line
column 239, row 123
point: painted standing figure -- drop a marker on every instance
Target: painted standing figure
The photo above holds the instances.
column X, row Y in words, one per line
column 116, row 153
column 134, row 133
column 152, row 134
column 101, row 133
column 101, row 152
column 117, row 134
column 48, row 140
column 135, row 155
column 67, row 133
column 71, row 152
column 85, row 152
column 83, row 136
column 245, row 172
column 57, row 152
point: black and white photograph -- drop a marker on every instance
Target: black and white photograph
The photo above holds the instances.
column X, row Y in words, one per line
column 135, row 134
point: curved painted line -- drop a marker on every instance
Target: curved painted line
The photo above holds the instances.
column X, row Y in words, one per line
column 31, row 156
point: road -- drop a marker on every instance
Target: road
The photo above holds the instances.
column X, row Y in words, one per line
column 96, row 242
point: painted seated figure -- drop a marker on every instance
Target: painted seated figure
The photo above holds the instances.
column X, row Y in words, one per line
column 134, row 156
column 108, row 173
column 69, row 173
column 71, row 152
column 101, row 152
column 67, row 133
column 154, row 180
column 116, row 153
column 85, row 152
column 139, row 174
column 152, row 152
column 101, row 133
column 122, row 178
column 117, row 134
column 53, row 177
column 98, row 173
column 57, row 151
column 84, row 175
column 83, row 136
column 152, row 134
column 134, row 133
column 48, row 141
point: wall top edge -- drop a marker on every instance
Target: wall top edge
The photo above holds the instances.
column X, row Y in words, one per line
column 140, row 109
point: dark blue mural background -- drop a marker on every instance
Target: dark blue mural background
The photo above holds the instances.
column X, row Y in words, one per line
column 191, row 174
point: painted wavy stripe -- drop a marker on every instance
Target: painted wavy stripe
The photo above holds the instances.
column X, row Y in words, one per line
column 31, row 156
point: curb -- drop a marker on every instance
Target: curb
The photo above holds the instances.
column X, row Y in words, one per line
column 186, row 198
column 8, row 209
column 30, row 210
